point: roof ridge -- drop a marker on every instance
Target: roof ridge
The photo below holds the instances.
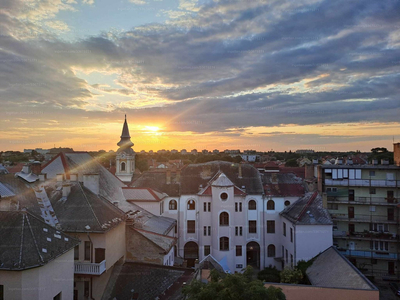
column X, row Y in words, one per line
column 312, row 198
column 87, row 200
column 33, row 236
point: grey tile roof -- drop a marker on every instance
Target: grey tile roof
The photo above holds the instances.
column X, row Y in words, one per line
column 194, row 175
column 308, row 210
column 83, row 211
column 27, row 242
column 145, row 220
column 5, row 192
column 146, row 280
column 331, row 269
column 157, row 180
column 162, row 241
column 142, row 194
column 222, row 181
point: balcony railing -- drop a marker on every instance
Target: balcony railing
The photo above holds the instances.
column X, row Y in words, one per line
column 90, row 268
column 370, row 235
column 362, row 182
column 369, row 254
column 363, row 200
column 365, row 218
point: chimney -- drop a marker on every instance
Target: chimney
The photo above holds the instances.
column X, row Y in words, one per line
column 36, row 168
column 396, row 154
column 42, row 177
column 66, row 189
column 309, row 171
column 168, row 179
column 325, row 200
column 240, row 170
column 26, row 169
column 178, row 176
column 92, row 182
column 60, row 177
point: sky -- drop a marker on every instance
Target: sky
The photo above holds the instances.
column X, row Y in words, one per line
column 224, row 74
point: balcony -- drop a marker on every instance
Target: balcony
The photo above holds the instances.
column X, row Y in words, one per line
column 88, row 268
column 362, row 182
column 363, row 200
column 369, row 254
column 366, row 235
column 372, row 218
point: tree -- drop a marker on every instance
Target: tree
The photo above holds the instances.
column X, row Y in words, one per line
column 232, row 286
column 291, row 276
column 270, row 274
column 291, row 163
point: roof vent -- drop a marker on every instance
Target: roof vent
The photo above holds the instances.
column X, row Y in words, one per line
column 87, row 227
column 49, row 239
column 45, row 230
column 57, row 236
column 44, row 250
column 66, row 239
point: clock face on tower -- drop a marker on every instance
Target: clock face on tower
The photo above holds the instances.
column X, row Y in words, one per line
column 123, row 155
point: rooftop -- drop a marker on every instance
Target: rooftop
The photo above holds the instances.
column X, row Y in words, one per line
column 331, row 269
column 308, row 210
column 28, row 242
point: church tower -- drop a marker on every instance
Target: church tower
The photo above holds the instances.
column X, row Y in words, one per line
column 125, row 163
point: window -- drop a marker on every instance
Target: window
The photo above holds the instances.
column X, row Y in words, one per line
column 76, row 253
column 56, row 297
column 238, row 231
column 291, row 260
column 333, row 206
column 372, row 208
column 87, row 250
column 284, row 228
column 287, row 256
column 161, row 207
column 122, row 166
column 173, row 205
column 252, row 226
column 291, row 234
column 371, row 173
column 224, row 244
column 236, row 206
column 380, row 246
column 372, row 190
column 270, row 205
column 287, row 203
column 240, row 206
column 205, row 230
column 271, row 250
column 224, row 196
column 86, row 289
column 252, row 205
column 205, row 206
column 378, row 227
column 191, row 205
column 191, row 226
column 209, row 230
column 224, row 219
column 206, row 250
column 271, row 226
column 239, row 250
column 209, row 206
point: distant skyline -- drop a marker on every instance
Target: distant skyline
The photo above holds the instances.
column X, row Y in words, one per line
column 228, row 74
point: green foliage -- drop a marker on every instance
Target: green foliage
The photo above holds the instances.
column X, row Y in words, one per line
column 380, row 153
column 303, row 265
column 141, row 164
column 232, row 286
column 270, row 274
column 291, row 276
column 291, row 163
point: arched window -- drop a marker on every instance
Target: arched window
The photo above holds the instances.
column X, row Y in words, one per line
column 287, row 203
column 224, row 244
column 122, row 166
column 224, row 219
column 172, row 205
column 271, row 250
column 252, row 205
column 270, row 205
column 191, row 205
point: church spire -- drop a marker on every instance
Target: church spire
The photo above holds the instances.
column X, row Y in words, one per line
column 125, row 141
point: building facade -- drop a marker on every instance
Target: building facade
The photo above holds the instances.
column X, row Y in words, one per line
column 363, row 203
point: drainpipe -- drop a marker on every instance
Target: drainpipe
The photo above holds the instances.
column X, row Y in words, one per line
column 295, row 245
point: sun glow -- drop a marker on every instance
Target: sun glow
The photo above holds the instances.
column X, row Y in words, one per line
column 152, row 128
